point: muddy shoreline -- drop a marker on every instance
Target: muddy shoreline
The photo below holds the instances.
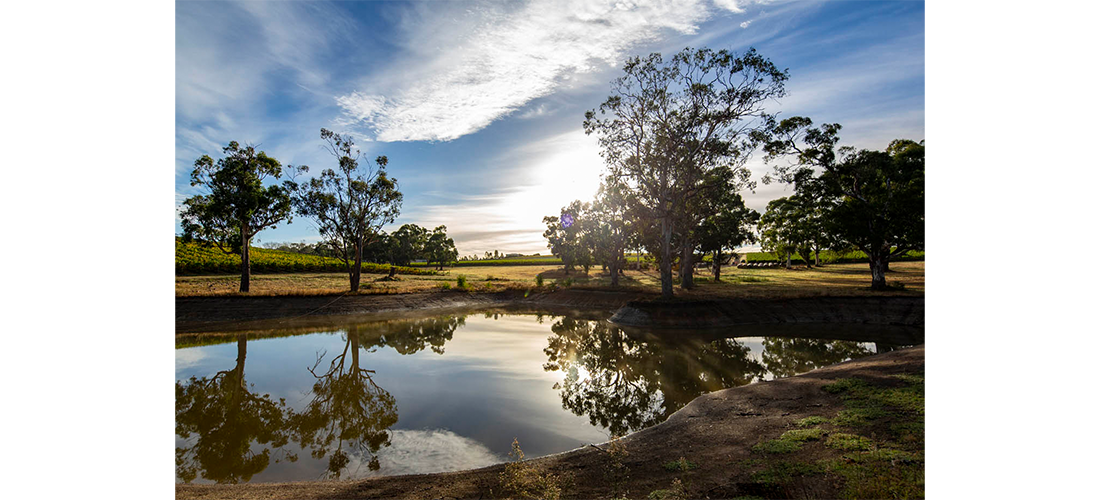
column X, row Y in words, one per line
column 716, row 430
column 228, row 314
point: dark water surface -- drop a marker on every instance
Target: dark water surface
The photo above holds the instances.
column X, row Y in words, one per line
column 450, row 393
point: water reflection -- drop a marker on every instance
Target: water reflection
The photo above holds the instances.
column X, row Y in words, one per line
column 625, row 384
column 789, row 357
column 228, row 417
column 347, row 407
column 459, row 396
column 348, row 415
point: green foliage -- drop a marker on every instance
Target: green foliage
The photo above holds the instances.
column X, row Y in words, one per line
column 782, row 471
column 445, row 286
column 675, row 492
column 439, row 248
column 777, row 446
column 681, row 465
column 848, row 442
column 462, row 281
column 672, row 127
column 538, row 280
column 197, row 258
column 812, row 421
column 789, row 442
column 349, row 205
column 568, row 243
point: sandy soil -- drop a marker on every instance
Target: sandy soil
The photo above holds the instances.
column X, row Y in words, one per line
column 715, row 431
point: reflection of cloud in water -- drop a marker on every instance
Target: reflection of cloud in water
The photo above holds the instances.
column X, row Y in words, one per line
column 186, row 358
column 426, row 451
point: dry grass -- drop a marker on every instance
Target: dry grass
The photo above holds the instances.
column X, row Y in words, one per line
column 831, row 280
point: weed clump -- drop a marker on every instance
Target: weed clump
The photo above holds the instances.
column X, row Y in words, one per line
column 462, row 281
column 677, row 491
column 523, row 480
column 538, row 280
column 681, row 465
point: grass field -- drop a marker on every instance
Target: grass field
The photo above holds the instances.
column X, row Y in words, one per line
column 830, row 280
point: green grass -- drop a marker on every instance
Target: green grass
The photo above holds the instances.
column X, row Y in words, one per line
column 195, row 258
column 789, row 442
column 681, row 465
column 812, row 421
column 874, row 447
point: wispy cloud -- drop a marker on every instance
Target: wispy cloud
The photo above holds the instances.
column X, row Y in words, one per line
column 511, row 56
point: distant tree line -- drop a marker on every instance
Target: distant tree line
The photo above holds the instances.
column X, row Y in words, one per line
column 349, row 206
column 675, row 137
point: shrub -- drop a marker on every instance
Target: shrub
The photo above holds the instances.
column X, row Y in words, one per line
column 462, row 281
column 538, row 280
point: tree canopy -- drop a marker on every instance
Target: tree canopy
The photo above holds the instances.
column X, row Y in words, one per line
column 349, row 204
column 668, row 126
column 238, row 204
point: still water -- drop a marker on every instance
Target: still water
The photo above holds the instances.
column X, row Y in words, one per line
column 448, row 393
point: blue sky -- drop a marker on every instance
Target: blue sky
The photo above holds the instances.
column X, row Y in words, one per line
column 478, row 105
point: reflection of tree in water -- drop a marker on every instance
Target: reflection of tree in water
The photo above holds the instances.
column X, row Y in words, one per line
column 789, row 357
column 625, row 384
column 227, row 417
column 408, row 337
column 347, row 407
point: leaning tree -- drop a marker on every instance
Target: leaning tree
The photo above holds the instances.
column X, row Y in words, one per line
column 349, row 204
column 238, row 204
column 667, row 125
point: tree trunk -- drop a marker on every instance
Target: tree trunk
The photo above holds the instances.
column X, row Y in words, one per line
column 357, row 268
column 666, row 258
column 614, row 274
column 242, row 351
column 687, row 266
column 787, row 263
column 717, row 265
column 246, row 264
column 817, row 257
column 878, row 271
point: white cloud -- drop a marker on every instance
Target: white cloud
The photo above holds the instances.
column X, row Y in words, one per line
column 508, row 58
column 746, row 24
column 426, row 452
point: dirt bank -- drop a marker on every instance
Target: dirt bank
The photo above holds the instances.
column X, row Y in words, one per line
column 220, row 314
column 716, row 432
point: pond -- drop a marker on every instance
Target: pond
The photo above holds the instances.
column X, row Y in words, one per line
column 452, row 392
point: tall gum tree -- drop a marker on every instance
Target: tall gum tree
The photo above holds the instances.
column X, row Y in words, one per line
column 238, row 204
column 666, row 126
column 349, row 204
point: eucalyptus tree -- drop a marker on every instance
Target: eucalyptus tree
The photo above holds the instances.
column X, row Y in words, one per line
column 729, row 224
column 565, row 236
column 610, row 227
column 668, row 125
column 238, row 204
column 880, row 194
column 349, row 204
column 439, row 248
column 779, row 231
column 407, row 244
